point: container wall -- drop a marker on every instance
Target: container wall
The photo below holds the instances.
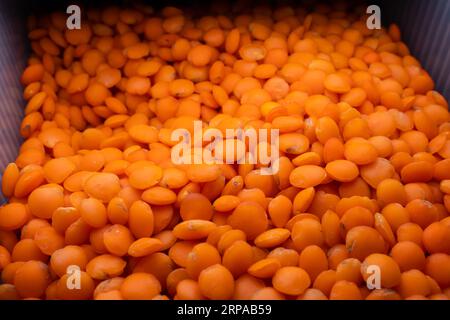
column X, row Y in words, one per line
column 425, row 27
column 12, row 62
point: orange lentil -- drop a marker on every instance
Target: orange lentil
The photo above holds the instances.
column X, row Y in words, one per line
column 390, row 271
column 291, row 280
column 216, row 282
column 249, row 217
column 307, row 176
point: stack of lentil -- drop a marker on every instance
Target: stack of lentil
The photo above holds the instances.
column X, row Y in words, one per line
column 364, row 168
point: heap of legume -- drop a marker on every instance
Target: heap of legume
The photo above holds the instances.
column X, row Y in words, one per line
column 364, row 174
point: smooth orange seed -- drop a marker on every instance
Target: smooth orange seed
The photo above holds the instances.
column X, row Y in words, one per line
column 145, row 177
column 363, row 173
column 13, row 216
column 272, row 238
column 291, row 280
column 337, row 83
column 307, row 176
column 342, row 170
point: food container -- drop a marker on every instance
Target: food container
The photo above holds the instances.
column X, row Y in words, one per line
column 424, row 26
column 307, row 209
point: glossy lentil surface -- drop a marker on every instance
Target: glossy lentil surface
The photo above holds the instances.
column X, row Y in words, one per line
column 364, row 168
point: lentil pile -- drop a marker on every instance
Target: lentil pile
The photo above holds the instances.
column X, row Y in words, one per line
column 364, row 168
